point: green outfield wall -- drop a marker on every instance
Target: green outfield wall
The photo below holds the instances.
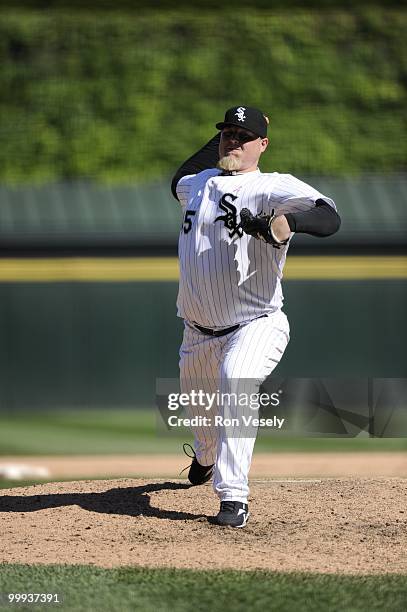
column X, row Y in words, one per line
column 104, row 344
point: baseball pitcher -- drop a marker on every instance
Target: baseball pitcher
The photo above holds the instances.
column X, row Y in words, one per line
column 237, row 226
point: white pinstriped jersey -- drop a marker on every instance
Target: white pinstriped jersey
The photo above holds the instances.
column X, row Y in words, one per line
column 227, row 276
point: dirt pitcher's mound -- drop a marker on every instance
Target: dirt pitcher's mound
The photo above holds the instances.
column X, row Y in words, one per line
column 346, row 525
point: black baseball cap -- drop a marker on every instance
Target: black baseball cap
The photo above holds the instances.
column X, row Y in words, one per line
column 246, row 117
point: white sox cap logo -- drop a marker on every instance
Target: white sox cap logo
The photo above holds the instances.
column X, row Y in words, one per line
column 251, row 119
column 240, row 113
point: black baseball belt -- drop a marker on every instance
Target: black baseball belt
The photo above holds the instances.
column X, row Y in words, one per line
column 217, row 333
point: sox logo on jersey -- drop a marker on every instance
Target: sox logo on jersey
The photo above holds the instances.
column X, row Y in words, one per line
column 230, row 218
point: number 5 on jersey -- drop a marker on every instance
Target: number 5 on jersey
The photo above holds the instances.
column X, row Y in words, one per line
column 187, row 225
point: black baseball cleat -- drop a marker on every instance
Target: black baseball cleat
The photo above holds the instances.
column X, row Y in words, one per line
column 198, row 474
column 232, row 514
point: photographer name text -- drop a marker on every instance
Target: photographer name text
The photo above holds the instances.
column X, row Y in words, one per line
column 220, row 421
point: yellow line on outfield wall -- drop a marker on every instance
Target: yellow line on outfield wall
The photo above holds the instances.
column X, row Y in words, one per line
column 112, row 269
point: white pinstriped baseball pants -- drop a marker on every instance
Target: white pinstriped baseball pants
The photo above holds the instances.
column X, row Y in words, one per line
column 236, row 363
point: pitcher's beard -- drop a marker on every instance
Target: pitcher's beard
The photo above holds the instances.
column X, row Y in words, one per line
column 230, row 163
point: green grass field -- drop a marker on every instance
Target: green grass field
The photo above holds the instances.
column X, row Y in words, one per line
column 87, row 588
column 90, row 588
column 89, row 432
